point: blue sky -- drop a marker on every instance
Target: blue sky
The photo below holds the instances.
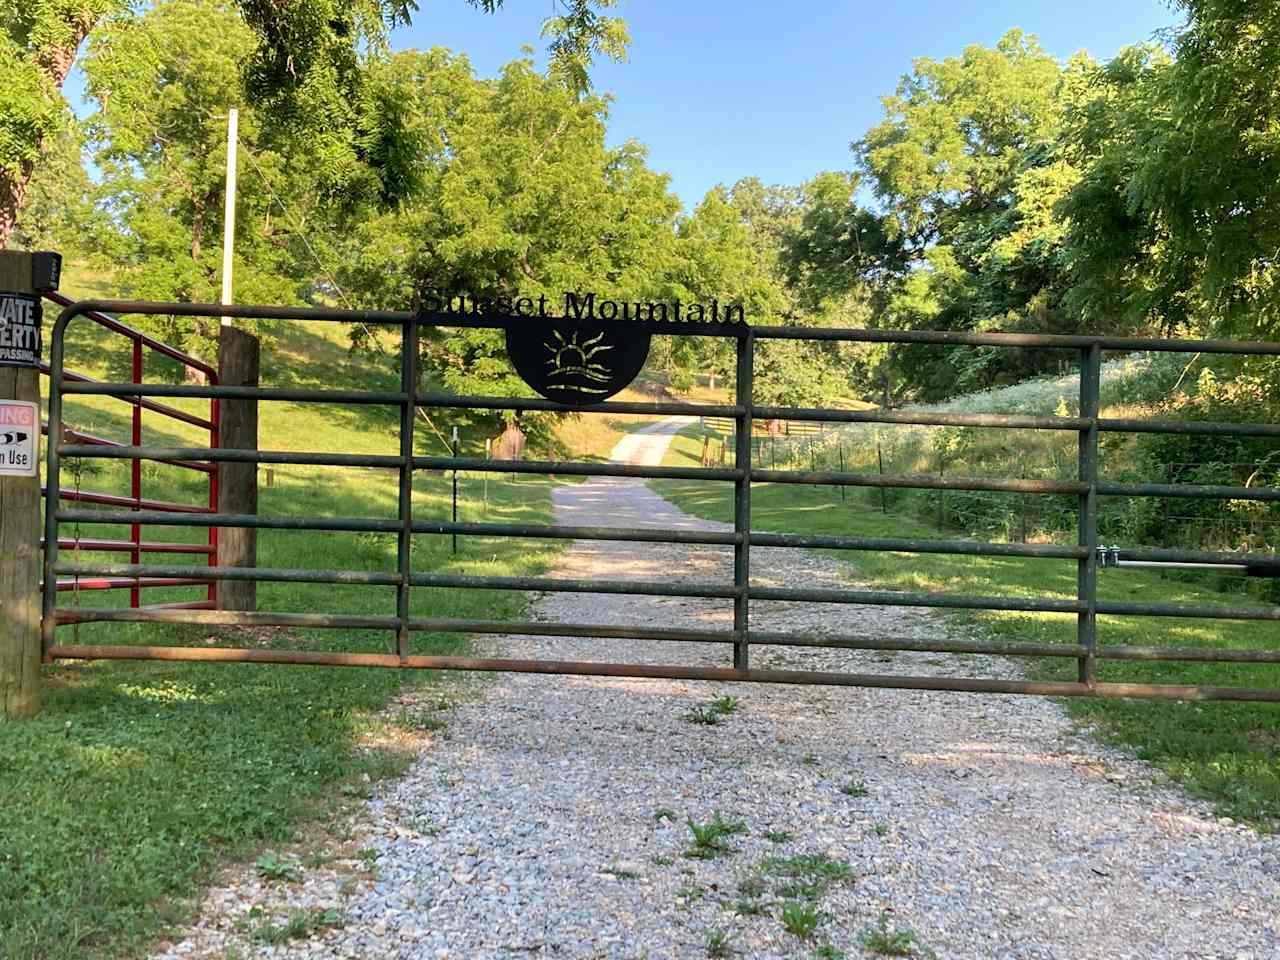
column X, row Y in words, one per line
column 723, row 89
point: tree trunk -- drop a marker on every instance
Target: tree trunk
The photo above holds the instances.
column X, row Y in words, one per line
column 13, row 193
column 197, row 228
column 53, row 63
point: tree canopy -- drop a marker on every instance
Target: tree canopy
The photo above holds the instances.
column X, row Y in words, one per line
column 1003, row 190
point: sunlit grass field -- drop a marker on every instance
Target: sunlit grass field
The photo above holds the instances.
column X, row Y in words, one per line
column 1226, row 752
column 138, row 779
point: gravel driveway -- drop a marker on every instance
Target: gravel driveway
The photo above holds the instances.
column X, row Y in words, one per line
column 551, row 818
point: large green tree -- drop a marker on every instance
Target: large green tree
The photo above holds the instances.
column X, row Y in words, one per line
column 515, row 192
column 305, row 63
column 164, row 82
column 1176, row 220
column 966, row 167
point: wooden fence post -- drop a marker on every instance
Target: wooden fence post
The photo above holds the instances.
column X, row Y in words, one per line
column 239, row 357
column 19, row 511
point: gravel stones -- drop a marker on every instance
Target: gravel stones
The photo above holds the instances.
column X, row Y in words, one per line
column 552, row 819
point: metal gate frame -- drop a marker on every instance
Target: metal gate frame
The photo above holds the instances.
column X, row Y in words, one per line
column 1087, row 488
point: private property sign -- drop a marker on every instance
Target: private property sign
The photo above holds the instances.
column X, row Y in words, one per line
column 19, row 430
column 19, row 330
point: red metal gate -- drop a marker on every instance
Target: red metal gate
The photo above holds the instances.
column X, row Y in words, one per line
column 136, row 546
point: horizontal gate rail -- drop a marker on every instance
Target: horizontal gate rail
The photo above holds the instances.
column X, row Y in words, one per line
column 128, row 546
column 723, row 674
column 165, row 519
column 743, row 415
column 131, row 393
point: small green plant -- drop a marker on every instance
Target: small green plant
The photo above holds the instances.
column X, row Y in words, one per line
column 710, row 838
column 828, row 952
column 749, row 908
column 854, row 788
column 779, row 836
column 317, row 858
column 273, row 866
column 422, row 720
column 691, row 892
column 800, row 918
column 712, row 713
column 664, row 813
column 661, row 860
column 622, row 873
column 718, row 944
column 301, row 923
column 881, row 829
column 810, row 760
column 893, row 941
column 806, row 877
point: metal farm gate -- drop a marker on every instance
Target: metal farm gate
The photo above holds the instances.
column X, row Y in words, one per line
column 1086, row 489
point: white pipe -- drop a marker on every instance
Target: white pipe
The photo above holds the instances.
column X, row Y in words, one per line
column 1172, row 565
column 229, row 215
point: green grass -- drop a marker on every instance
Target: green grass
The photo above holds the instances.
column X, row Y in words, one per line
column 139, row 779
column 1224, row 752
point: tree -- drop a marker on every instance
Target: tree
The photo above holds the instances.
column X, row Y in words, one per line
column 1176, row 220
column 957, row 134
column 968, row 165
column 164, row 82
column 306, row 65
column 516, row 194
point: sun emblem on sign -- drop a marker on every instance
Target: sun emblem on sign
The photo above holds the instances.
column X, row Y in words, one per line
column 575, row 363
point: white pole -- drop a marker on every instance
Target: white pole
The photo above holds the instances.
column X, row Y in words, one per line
column 229, row 216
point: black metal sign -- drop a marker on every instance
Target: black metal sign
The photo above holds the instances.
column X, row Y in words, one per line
column 576, row 361
column 590, row 352
column 19, row 330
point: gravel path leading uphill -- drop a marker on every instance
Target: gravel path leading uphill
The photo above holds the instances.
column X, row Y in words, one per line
column 551, row 818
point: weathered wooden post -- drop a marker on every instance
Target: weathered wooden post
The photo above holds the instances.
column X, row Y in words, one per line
column 20, row 482
column 239, row 357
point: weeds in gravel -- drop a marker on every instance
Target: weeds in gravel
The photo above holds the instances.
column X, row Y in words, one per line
column 828, row 952
column 317, row 858
column 710, row 839
column 426, row 721
column 806, row 877
column 661, row 860
column 664, row 813
column 718, row 944
column 301, row 923
column 854, row 788
column 893, row 941
column 712, row 713
column 691, row 893
column 800, row 918
column 881, row 829
column 779, row 836
column 272, row 866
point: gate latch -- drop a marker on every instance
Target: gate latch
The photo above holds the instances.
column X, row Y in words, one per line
column 1108, row 556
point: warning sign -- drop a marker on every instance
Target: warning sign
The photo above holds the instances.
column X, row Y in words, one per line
column 19, row 435
column 19, row 330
